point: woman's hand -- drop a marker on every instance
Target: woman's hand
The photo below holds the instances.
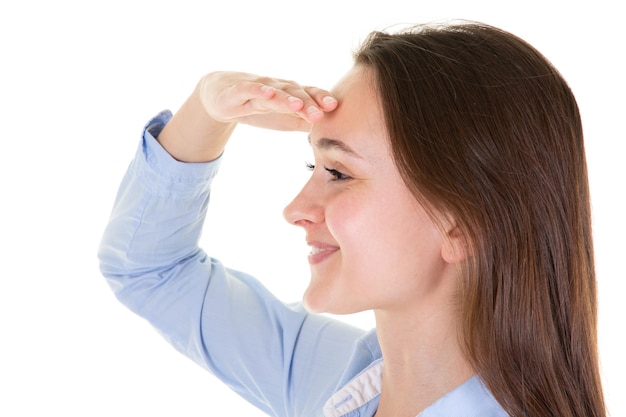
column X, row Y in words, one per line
column 263, row 102
column 199, row 131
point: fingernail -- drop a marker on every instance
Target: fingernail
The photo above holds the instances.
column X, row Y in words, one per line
column 312, row 110
column 329, row 100
column 293, row 99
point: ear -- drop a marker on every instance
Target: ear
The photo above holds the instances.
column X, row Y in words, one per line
column 454, row 248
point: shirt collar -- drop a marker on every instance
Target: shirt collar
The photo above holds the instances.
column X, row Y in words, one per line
column 360, row 397
column 362, row 391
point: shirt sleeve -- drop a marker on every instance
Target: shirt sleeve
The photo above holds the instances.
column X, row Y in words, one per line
column 277, row 356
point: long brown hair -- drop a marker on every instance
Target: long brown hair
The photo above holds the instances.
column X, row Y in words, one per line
column 485, row 129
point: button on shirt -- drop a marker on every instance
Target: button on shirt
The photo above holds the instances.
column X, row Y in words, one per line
column 225, row 320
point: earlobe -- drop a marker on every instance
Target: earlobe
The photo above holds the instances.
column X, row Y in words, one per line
column 454, row 247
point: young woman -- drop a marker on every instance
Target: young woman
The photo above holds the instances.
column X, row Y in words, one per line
column 449, row 195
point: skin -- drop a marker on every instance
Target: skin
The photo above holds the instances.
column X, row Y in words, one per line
column 373, row 245
column 361, row 216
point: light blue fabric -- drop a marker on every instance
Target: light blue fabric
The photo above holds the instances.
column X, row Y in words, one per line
column 282, row 359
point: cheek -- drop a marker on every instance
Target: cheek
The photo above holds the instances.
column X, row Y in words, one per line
column 351, row 221
column 367, row 233
column 389, row 236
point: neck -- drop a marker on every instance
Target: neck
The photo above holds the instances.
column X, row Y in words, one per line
column 423, row 359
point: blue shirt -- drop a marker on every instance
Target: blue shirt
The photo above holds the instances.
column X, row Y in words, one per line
column 281, row 358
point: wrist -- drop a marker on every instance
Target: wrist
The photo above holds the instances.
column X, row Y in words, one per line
column 192, row 135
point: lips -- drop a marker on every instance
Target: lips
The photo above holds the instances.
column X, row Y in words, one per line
column 320, row 252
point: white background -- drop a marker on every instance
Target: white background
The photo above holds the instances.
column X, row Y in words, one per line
column 78, row 80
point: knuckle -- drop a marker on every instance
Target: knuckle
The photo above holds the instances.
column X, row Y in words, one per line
column 266, row 80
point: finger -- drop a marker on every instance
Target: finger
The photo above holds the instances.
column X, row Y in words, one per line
column 288, row 96
column 281, row 100
column 244, row 91
column 317, row 101
column 305, row 105
column 324, row 99
column 262, row 98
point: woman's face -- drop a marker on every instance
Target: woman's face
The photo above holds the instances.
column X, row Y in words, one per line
column 373, row 246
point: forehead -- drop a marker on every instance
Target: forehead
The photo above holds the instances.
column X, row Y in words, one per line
column 358, row 120
column 358, row 83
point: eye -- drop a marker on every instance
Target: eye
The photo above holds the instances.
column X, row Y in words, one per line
column 337, row 176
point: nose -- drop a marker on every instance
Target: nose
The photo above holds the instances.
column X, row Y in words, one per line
column 306, row 208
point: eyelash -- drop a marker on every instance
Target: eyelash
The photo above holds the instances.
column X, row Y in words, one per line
column 337, row 175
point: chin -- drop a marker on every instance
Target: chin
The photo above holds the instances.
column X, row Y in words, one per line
column 322, row 296
column 319, row 302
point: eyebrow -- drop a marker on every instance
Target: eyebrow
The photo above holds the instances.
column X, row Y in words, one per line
column 328, row 143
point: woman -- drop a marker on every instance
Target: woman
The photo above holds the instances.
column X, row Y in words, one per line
column 449, row 195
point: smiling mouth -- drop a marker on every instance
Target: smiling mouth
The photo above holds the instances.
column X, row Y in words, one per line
column 319, row 254
column 315, row 250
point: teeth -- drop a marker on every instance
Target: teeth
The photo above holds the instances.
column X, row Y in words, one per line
column 315, row 251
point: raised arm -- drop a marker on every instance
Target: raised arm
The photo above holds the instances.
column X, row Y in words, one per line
column 280, row 358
